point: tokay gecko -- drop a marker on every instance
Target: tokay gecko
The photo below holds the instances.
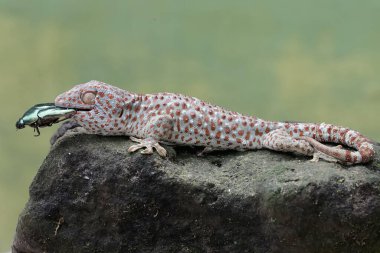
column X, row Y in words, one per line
column 151, row 119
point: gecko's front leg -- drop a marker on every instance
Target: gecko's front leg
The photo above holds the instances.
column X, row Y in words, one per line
column 158, row 128
column 147, row 143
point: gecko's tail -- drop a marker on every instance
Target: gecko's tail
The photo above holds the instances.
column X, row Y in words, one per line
column 330, row 133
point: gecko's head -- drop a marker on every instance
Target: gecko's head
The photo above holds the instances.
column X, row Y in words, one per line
column 99, row 106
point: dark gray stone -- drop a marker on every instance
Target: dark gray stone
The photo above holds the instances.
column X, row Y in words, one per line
column 90, row 195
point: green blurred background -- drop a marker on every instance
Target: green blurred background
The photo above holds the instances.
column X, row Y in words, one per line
column 298, row 60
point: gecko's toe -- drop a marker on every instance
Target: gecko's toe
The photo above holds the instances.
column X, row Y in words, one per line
column 160, row 150
column 147, row 151
column 134, row 139
column 315, row 158
column 133, row 148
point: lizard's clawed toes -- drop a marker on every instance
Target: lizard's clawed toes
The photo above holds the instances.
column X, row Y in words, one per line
column 148, row 144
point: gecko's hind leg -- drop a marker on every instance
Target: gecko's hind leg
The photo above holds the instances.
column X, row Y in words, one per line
column 280, row 140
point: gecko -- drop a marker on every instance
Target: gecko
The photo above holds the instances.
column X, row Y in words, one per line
column 167, row 118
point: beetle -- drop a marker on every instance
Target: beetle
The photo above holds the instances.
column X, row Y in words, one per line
column 42, row 115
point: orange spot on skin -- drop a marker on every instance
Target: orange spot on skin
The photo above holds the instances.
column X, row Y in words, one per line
column 241, row 132
column 218, row 135
column 213, row 127
column 258, row 133
column 247, row 135
column 348, row 156
column 238, row 140
column 207, row 132
column 110, row 96
column 267, row 130
column 185, row 118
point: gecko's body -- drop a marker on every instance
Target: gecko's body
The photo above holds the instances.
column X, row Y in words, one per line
column 173, row 118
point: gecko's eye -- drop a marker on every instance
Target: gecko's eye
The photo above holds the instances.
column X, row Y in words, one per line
column 89, row 97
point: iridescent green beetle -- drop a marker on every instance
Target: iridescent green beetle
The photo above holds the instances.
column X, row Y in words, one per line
column 42, row 115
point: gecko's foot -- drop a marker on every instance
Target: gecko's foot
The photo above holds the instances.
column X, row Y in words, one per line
column 319, row 155
column 148, row 144
column 65, row 126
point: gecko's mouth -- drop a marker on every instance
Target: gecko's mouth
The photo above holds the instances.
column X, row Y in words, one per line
column 76, row 108
column 81, row 109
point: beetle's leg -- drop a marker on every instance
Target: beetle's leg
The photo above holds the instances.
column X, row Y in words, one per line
column 38, row 131
column 38, row 122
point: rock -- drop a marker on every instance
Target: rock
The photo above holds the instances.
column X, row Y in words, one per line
column 90, row 195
